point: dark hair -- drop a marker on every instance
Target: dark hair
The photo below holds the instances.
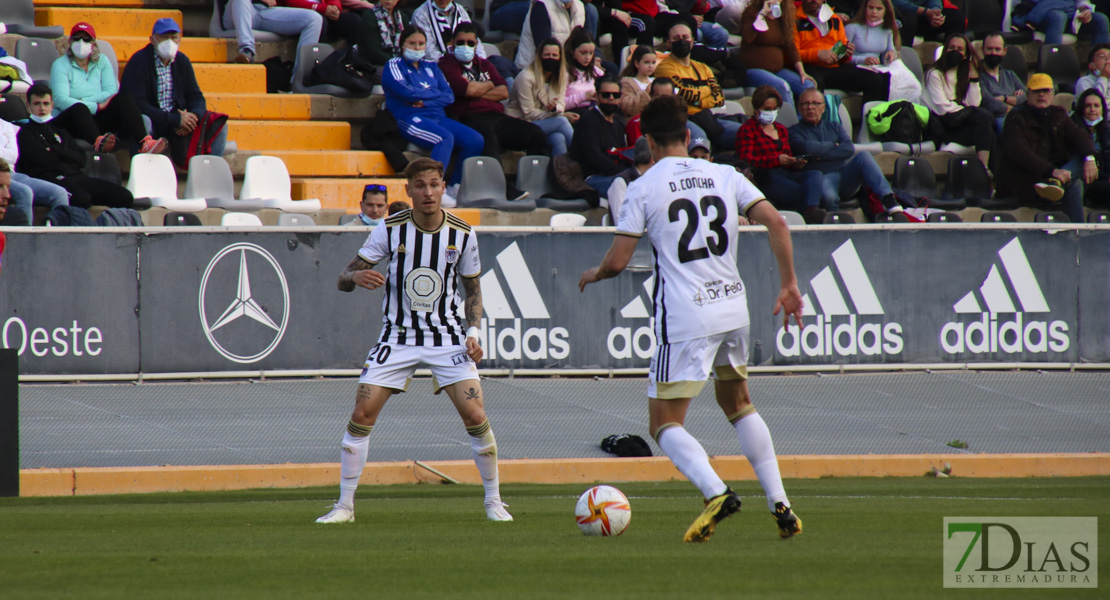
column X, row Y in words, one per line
column 682, row 22
column 4, row 167
column 606, row 78
column 889, row 23
column 762, row 93
column 664, row 119
column 397, row 206
column 465, row 27
column 638, row 54
column 421, row 165
column 39, row 89
column 1096, row 48
column 1081, row 100
column 659, row 81
column 998, row 34
column 963, row 71
column 409, row 30
column 578, row 36
column 377, row 189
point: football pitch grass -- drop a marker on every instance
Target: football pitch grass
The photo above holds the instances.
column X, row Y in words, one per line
column 863, row 538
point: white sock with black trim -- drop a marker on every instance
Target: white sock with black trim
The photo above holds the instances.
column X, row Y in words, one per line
column 484, row 448
column 352, row 460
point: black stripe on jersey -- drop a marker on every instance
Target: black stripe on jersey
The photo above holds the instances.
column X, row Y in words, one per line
column 659, row 300
column 449, row 274
column 417, row 251
column 435, row 256
column 458, row 223
column 398, row 218
column 402, row 235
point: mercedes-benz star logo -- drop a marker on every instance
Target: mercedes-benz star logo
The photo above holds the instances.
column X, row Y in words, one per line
column 244, row 304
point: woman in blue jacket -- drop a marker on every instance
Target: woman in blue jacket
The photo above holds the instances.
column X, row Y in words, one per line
column 416, row 94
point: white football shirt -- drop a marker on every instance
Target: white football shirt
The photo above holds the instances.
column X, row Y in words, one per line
column 690, row 208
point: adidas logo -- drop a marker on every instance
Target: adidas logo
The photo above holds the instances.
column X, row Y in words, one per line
column 836, row 329
column 1002, row 326
column 624, row 342
column 512, row 341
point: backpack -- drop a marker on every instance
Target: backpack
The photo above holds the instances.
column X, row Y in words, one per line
column 626, row 445
column 120, row 217
column 899, row 121
column 207, row 130
column 279, row 73
column 346, row 69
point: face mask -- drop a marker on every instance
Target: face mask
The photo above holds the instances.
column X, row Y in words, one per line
column 825, row 13
column 81, row 49
column 166, row 50
column 953, row 59
column 413, row 55
column 681, row 48
column 1091, row 123
column 368, row 221
column 39, row 119
column 776, row 11
column 768, row 116
column 550, row 64
column 465, row 54
column 608, row 109
column 993, row 60
column 876, row 23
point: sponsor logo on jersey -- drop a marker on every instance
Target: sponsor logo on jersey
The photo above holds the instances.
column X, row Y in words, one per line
column 832, row 328
column 503, row 332
column 1001, row 326
column 266, row 313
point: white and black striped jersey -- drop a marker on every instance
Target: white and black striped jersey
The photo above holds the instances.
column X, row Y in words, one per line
column 690, row 210
column 423, row 301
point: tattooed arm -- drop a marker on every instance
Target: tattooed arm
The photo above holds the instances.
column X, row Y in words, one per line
column 359, row 273
column 473, row 309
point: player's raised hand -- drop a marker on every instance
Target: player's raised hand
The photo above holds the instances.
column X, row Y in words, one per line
column 368, row 279
column 590, row 276
column 790, row 301
column 474, row 349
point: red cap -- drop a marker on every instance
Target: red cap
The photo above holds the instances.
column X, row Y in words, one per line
column 83, row 26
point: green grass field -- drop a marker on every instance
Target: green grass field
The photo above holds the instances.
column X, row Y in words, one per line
column 863, row 538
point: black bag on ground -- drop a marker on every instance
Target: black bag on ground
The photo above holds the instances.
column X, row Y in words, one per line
column 626, row 445
column 279, row 74
column 346, row 69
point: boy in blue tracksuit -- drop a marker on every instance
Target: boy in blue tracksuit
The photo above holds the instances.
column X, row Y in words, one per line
column 416, row 93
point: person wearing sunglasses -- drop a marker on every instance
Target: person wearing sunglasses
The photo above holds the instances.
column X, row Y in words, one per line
column 373, row 206
column 597, row 132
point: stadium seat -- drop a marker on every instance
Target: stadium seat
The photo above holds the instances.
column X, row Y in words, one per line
column 491, row 49
column 13, row 108
column 792, row 218
column 997, row 217
column 839, row 217
column 152, row 176
column 945, row 217
column 210, row 178
column 968, row 179
column 730, row 107
column 1015, row 61
column 532, row 177
column 267, row 179
column 107, row 50
column 568, row 220
column 293, row 220
column 39, row 54
column 916, row 177
column 216, row 29
column 1062, row 63
column 483, row 186
column 18, row 17
column 787, row 115
column 103, row 165
column 913, row 63
column 310, row 56
column 1098, row 216
column 345, row 219
column 1051, row 216
column 178, row 219
column 238, row 219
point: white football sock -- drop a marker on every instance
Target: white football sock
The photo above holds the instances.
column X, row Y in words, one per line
column 484, row 448
column 691, row 460
column 352, row 460
column 756, row 444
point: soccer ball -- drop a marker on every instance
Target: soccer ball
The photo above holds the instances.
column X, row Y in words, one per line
column 603, row 510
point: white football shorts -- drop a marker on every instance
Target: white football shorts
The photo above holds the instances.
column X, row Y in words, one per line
column 392, row 365
column 680, row 369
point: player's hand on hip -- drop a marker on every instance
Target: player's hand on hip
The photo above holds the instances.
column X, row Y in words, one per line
column 590, row 276
column 368, row 279
column 474, row 349
column 790, row 302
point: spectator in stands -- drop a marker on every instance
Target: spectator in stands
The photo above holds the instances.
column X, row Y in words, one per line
column 373, row 206
column 768, row 50
column 245, row 16
column 827, row 54
column 337, row 24
column 1090, row 115
column 600, row 130
column 699, row 148
column 438, row 20
column 829, row 150
column 509, row 15
column 878, row 46
column 612, row 20
column 27, row 191
column 1000, row 88
column 479, row 90
column 641, row 162
column 547, row 19
column 635, row 80
column 1098, row 78
column 582, row 72
column 83, row 76
column 648, row 21
column 1053, row 17
column 397, row 206
column 953, row 97
column 380, row 34
column 930, row 19
column 1045, row 154
column 5, row 195
column 47, row 152
column 357, row 6
column 538, row 96
column 765, row 144
column 695, row 82
column 660, row 86
column 416, row 93
column 162, row 82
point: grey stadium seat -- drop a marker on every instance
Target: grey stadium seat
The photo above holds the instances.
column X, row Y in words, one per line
column 39, row 54
column 310, row 55
column 913, row 63
column 107, row 50
column 13, row 108
column 295, row 220
column 210, row 178
column 1061, row 63
column 345, row 219
column 19, row 18
column 483, row 186
column 178, row 219
column 787, row 115
column 532, row 177
column 103, row 165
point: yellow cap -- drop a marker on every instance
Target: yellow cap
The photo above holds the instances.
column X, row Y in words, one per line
column 1040, row 81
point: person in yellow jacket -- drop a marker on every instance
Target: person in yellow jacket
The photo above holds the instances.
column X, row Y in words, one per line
column 827, row 54
column 696, row 84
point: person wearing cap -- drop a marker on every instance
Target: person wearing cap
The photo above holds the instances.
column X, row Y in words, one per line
column 246, row 16
column 641, row 162
column 373, row 206
column 83, row 76
column 164, row 87
column 1046, row 158
column 699, row 148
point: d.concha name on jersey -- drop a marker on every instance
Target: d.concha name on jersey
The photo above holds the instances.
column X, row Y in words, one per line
column 502, row 333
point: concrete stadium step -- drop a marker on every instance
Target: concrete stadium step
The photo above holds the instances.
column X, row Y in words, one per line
column 216, row 78
column 345, row 193
column 127, row 3
column 198, row 49
column 319, row 163
column 290, row 135
column 106, row 21
column 261, row 107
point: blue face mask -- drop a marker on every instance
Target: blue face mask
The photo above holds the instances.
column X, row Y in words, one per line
column 413, row 55
column 465, row 54
column 368, row 221
column 768, row 116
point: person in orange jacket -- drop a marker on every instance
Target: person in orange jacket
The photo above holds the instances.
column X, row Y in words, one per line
column 827, row 54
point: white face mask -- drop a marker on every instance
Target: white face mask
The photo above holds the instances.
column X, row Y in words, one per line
column 768, row 116
column 825, row 13
column 81, row 49
column 1091, row 123
column 166, row 50
column 39, row 119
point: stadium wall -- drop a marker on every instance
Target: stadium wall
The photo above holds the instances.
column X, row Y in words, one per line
column 149, row 301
